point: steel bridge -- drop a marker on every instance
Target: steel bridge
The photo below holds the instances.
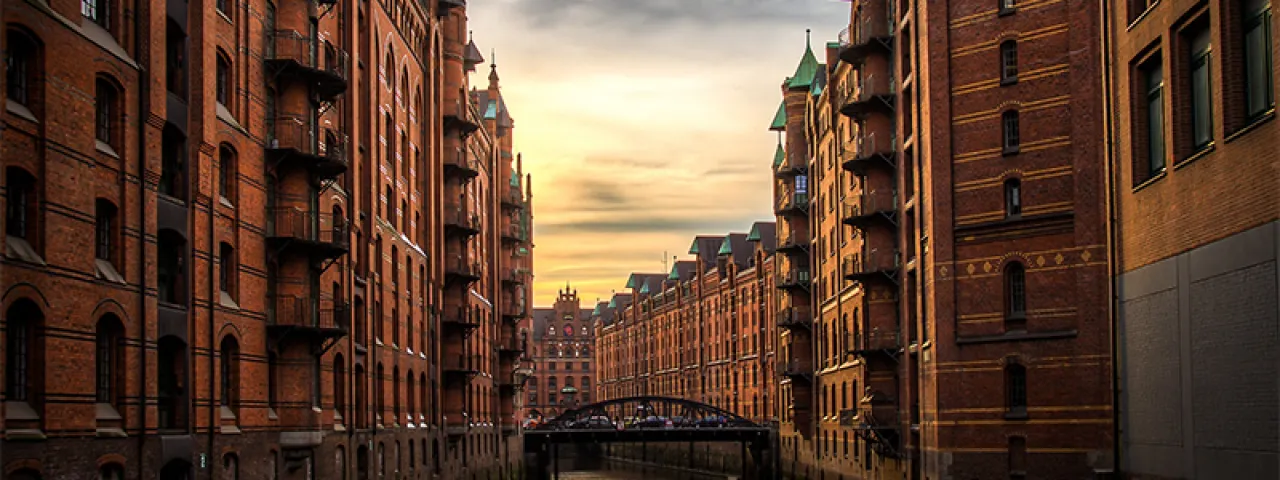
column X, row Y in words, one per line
column 648, row 419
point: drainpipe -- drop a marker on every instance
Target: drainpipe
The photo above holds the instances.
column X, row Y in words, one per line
column 1109, row 133
column 144, row 106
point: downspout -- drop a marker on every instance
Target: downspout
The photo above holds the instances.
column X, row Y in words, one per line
column 144, row 106
column 1113, row 289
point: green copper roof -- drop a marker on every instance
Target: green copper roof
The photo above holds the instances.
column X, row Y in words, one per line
column 491, row 112
column 596, row 311
column 754, row 236
column 693, row 249
column 645, row 288
column 523, row 251
column 779, row 156
column 833, row 44
column 631, row 281
column 675, row 273
column 515, row 178
column 726, row 248
column 806, row 70
column 780, row 118
column 816, row 88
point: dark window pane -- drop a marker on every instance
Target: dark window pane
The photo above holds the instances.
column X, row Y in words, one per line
column 1257, row 58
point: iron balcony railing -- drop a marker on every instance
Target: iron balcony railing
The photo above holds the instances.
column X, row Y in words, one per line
column 795, row 276
column 793, row 201
column 296, row 223
column 794, row 316
column 874, row 86
column 874, row 144
column 460, row 115
column 309, row 312
column 461, row 218
column 329, row 65
column 873, row 26
column 860, row 343
column 794, row 367
column 462, row 267
column 461, row 162
column 298, row 133
column 462, row 317
column 868, row 262
column 870, row 203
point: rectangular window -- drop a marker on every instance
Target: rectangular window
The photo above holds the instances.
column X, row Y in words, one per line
column 20, row 54
column 103, row 228
column 104, row 111
column 1012, row 133
column 227, row 272
column 1257, row 58
column 1008, row 62
column 1155, row 117
column 97, row 11
column 222, row 81
column 1200, row 88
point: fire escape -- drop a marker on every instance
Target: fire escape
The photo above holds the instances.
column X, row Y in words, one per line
column 795, row 317
column 512, row 342
column 869, row 97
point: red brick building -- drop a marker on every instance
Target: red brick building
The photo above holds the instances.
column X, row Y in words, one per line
column 563, row 356
column 307, row 254
column 941, row 181
column 701, row 332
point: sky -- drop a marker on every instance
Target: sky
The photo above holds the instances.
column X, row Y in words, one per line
column 643, row 122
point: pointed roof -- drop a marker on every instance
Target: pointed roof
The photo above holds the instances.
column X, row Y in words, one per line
column 765, row 234
column 735, row 246
column 726, row 247
column 473, row 56
column 819, row 81
column 682, row 270
column 807, row 68
column 779, row 156
column 705, row 247
column 780, row 118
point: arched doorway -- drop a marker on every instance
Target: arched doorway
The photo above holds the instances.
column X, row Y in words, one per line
column 362, row 463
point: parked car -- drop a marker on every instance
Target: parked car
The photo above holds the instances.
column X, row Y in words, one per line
column 713, row 421
column 651, row 422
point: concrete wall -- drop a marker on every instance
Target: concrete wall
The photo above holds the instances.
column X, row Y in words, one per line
column 1199, row 361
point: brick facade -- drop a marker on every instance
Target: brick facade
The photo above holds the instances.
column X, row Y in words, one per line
column 242, row 264
column 563, row 354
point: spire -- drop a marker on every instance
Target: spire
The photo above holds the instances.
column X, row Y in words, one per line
column 808, row 67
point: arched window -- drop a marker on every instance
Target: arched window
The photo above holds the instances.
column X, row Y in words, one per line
column 389, row 66
column 22, row 367
column 1008, row 61
column 379, row 391
column 395, row 395
column 111, row 471
column 1015, row 378
column 1011, row 131
column 106, row 110
column 230, row 467
column 229, row 374
column 422, row 400
column 222, row 82
column 1013, row 198
column 1015, row 288
column 104, row 230
column 170, row 268
column 109, row 360
column 339, row 386
column 361, row 412
column 227, row 173
column 175, row 59
column 22, row 52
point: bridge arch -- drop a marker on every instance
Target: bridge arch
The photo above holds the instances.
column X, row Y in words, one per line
column 681, row 411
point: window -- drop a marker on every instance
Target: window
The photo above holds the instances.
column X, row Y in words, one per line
column 1153, row 77
column 1139, row 7
column 109, row 359
column 1012, row 198
column 20, row 67
column 173, row 152
column 390, row 68
column 111, row 471
column 228, row 269
column 230, row 467
column 1007, row 6
column 1012, row 140
column 21, row 369
column 222, row 7
column 227, row 172
column 222, row 79
column 176, row 60
column 229, row 373
column 1257, row 58
column 106, row 107
column 1016, row 388
column 20, row 207
column 273, row 380
column 169, row 268
column 1199, row 87
column 1017, row 457
column 1008, row 61
column 1016, row 286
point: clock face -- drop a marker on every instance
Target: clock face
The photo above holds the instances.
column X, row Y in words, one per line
column 568, row 330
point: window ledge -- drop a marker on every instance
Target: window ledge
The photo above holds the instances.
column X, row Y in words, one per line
column 1154, row 178
column 111, row 432
column 20, row 110
column 106, row 271
column 18, row 248
column 271, row 414
column 225, row 300
column 105, row 412
column 1017, row 415
column 225, row 413
column 1007, row 151
column 1138, row 19
column 226, row 116
column 1004, row 12
column 1201, row 153
column 225, row 202
column 19, row 410
column 105, row 149
column 224, row 16
column 1252, row 125
column 1005, row 82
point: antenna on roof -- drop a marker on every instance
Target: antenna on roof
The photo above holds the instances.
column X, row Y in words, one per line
column 664, row 260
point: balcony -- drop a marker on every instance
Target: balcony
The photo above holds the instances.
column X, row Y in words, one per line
column 294, row 55
column 512, row 232
column 460, row 319
column 863, row 210
column 791, row 203
column 794, row 242
column 295, row 140
column 459, row 164
column 456, row 429
column 873, row 33
column 794, row 317
column 870, row 264
column 461, row 117
column 870, row 150
column 792, row 166
column 516, row 276
column 513, row 197
column 320, row 322
column 320, row 236
column 462, row 271
column 461, row 222
column 460, row 366
column 876, row 93
column 511, row 346
column 848, row 417
column 513, row 310
column 795, row 278
column 796, row 370
column 874, row 342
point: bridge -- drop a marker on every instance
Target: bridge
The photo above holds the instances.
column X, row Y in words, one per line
column 645, row 420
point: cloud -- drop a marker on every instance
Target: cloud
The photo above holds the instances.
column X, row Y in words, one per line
column 645, row 224
column 648, row 14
